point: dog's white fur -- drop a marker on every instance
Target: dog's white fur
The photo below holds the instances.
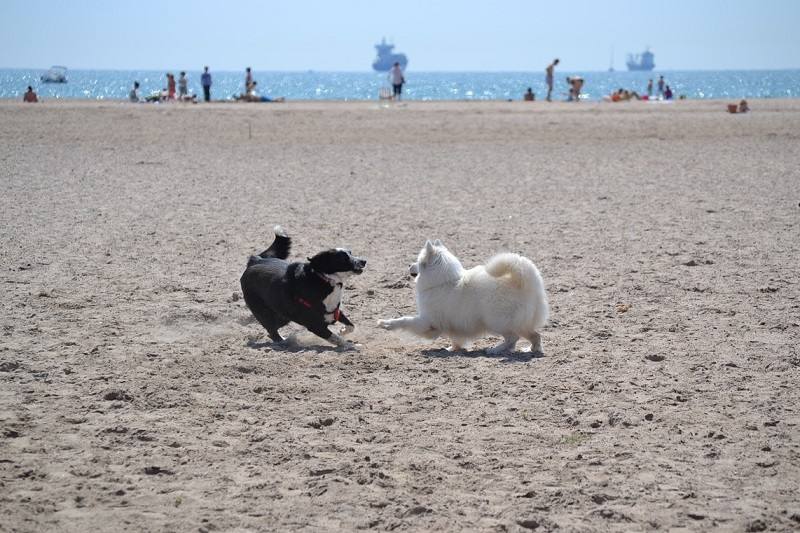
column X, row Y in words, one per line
column 505, row 297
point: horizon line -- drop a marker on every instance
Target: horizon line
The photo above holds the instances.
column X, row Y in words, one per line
column 468, row 71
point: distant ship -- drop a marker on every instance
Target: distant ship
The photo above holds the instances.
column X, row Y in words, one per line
column 643, row 61
column 385, row 59
column 56, row 74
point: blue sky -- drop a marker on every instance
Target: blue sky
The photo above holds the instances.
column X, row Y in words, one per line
column 444, row 35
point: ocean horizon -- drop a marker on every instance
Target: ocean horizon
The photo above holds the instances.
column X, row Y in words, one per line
column 99, row 84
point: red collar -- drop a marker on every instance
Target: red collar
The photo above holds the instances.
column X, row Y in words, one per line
column 336, row 312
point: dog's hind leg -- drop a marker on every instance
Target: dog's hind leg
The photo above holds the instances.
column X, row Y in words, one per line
column 508, row 345
column 265, row 316
column 457, row 344
column 536, row 342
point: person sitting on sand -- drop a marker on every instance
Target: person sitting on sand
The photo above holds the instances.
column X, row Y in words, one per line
column 30, row 96
column 133, row 96
column 575, row 85
column 252, row 96
column 743, row 107
column 529, row 96
column 623, row 95
column 668, row 93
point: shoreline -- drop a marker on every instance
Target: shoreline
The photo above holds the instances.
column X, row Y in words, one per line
column 556, row 103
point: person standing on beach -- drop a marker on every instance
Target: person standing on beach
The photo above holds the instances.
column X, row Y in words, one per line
column 248, row 81
column 649, row 88
column 397, row 80
column 170, row 86
column 661, row 86
column 183, row 87
column 549, row 71
column 205, row 81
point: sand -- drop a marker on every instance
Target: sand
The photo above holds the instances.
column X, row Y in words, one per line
column 137, row 393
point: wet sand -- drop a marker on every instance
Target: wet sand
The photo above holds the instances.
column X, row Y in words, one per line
column 137, row 393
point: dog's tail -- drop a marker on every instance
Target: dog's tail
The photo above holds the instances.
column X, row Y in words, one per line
column 280, row 247
column 522, row 271
column 524, row 275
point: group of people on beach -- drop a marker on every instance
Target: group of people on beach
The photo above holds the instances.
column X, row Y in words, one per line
column 624, row 95
column 179, row 91
column 575, row 84
column 169, row 93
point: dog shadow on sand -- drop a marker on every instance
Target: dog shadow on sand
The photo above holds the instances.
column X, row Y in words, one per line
column 290, row 347
column 512, row 357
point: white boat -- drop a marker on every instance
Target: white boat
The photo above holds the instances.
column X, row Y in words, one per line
column 56, row 74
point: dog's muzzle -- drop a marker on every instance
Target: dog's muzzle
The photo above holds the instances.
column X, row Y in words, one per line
column 413, row 270
column 359, row 264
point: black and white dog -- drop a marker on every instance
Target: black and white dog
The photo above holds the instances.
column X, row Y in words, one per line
column 310, row 294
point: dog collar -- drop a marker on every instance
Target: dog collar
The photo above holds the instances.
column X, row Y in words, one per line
column 328, row 279
column 336, row 312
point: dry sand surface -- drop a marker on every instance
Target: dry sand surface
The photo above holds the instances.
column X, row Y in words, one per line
column 137, row 393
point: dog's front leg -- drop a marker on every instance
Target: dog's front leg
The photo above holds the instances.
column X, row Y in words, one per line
column 348, row 326
column 323, row 331
column 415, row 324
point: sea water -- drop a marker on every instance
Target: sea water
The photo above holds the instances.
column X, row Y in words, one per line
column 116, row 84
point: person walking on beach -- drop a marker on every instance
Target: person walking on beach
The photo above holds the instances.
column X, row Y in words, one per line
column 205, row 81
column 661, row 86
column 183, row 87
column 549, row 71
column 248, row 81
column 30, row 96
column 649, row 88
column 397, row 80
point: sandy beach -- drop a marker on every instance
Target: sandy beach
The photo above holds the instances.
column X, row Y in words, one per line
column 138, row 394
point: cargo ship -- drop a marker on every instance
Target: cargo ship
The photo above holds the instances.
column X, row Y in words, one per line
column 386, row 59
column 643, row 61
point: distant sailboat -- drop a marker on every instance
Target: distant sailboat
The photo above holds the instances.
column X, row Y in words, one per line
column 611, row 65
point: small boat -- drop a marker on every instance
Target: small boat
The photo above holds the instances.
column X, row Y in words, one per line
column 56, row 74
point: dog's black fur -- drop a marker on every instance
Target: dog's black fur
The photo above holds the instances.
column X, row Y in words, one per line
column 278, row 292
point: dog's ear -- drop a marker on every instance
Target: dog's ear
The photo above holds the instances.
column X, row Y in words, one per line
column 437, row 242
column 429, row 246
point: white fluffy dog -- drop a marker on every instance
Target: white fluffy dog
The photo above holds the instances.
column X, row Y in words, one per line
column 505, row 297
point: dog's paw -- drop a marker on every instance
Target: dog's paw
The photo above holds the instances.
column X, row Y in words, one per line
column 350, row 346
column 386, row 324
column 497, row 350
column 347, row 330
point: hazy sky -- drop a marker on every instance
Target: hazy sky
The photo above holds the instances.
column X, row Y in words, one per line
column 488, row 35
